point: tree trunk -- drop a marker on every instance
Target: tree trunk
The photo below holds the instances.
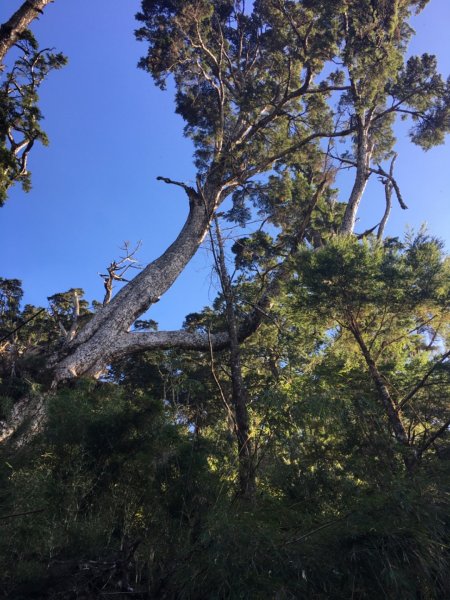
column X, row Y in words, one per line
column 363, row 156
column 26, row 420
column 239, row 396
column 13, row 29
column 107, row 337
column 390, row 408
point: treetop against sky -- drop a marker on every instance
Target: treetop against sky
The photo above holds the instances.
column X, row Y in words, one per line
column 112, row 132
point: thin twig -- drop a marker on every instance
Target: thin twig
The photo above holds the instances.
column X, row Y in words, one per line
column 21, row 514
column 22, row 325
column 317, row 529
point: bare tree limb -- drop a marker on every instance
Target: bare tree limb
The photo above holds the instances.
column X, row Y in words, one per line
column 364, row 154
column 75, row 316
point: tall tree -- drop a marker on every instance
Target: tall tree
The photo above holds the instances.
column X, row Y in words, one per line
column 393, row 301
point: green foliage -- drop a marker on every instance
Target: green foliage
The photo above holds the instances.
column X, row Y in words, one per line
column 347, row 274
column 134, row 479
column 20, row 115
column 127, row 495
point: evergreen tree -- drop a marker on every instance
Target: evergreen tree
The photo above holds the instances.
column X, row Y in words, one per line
column 19, row 84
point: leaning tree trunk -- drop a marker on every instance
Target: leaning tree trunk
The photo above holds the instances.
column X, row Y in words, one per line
column 12, row 30
column 107, row 336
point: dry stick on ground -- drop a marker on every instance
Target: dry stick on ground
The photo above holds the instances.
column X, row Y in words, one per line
column 21, row 514
column 317, row 529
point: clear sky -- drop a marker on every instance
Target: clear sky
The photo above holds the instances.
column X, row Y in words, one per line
column 112, row 133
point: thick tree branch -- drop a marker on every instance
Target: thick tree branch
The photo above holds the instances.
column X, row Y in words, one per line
column 141, row 341
column 12, row 30
column 94, row 345
column 388, row 197
column 137, row 341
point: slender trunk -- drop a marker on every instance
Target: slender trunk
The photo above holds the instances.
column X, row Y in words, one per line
column 390, row 408
column 363, row 156
column 239, row 397
column 13, row 29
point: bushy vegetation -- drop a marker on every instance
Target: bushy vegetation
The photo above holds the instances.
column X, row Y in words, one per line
column 132, row 486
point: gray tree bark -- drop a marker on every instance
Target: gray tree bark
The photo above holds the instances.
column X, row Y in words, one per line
column 107, row 336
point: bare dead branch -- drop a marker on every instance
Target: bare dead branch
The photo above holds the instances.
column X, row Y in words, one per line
column 117, row 270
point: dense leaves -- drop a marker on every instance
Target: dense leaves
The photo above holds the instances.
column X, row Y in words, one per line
column 20, row 115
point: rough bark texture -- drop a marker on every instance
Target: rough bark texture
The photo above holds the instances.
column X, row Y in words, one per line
column 27, row 414
column 387, row 212
column 388, row 187
column 107, row 336
column 13, row 29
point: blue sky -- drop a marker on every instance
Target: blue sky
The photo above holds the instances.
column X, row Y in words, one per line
column 112, row 133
